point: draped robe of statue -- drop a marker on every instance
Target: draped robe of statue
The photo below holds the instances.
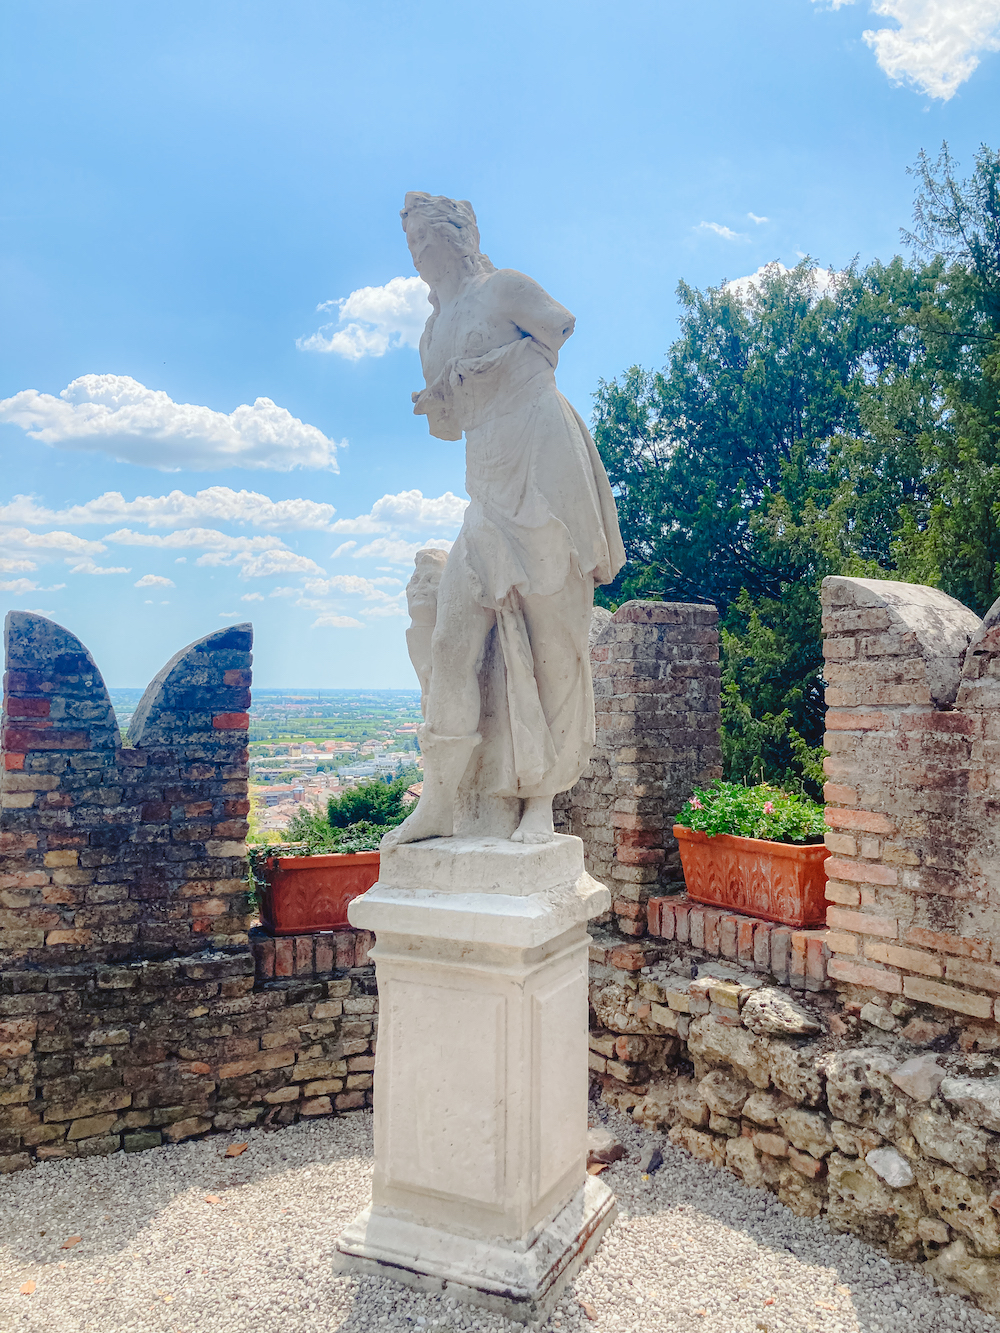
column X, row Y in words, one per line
column 540, row 531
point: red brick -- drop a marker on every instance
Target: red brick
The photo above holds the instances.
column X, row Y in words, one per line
column 28, row 707
column 627, row 959
column 653, row 915
column 235, row 677
column 231, row 721
column 284, row 957
column 13, row 763
column 682, row 931
column 744, row 941
column 344, row 942
column 639, row 856
column 263, row 952
column 810, row 1167
column 728, row 930
column 696, row 927
column 303, row 955
column 762, row 944
column 712, row 919
column 324, row 953
column 797, row 960
column 364, row 940
column 627, row 908
column 817, row 953
column 631, row 928
column 668, row 918
column 21, row 738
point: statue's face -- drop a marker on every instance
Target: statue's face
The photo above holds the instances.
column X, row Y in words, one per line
column 426, row 242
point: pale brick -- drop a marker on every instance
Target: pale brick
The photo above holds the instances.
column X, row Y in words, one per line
column 913, row 960
column 841, row 969
column 947, row 997
column 864, row 923
column 969, row 973
column 859, row 872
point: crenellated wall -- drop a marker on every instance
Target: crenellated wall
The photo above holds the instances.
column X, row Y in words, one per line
column 656, row 692
column 112, row 852
column 913, row 726
column 135, row 1009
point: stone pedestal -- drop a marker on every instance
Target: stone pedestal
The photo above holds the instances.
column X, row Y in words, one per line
column 480, row 1184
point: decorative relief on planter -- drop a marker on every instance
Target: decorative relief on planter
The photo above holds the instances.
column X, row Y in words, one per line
column 771, row 880
column 306, row 894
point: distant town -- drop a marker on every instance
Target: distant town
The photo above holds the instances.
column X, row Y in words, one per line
column 309, row 745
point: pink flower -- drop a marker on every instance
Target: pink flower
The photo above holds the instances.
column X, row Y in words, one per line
column 768, row 807
column 695, row 804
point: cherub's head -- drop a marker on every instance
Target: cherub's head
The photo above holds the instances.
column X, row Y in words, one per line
column 421, row 591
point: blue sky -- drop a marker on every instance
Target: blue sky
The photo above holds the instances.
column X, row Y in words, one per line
column 184, row 185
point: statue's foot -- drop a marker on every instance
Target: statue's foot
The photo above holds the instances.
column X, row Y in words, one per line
column 422, row 823
column 536, row 821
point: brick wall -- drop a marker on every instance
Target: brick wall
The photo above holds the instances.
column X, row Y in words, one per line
column 110, row 852
column 912, row 730
column 135, row 1005
column 656, row 688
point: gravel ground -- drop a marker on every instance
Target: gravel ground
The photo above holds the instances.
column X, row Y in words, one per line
column 182, row 1239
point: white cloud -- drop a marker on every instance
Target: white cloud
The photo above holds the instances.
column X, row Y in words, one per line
column 754, row 218
column 330, row 621
column 154, row 581
column 252, row 597
column 206, row 538
column 218, row 504
column 48, row 543
column 823, row 280
column 286, row 592
column 229, row 615
column 116, row 415
column 395, row 551
column 726, row 233
column 938, row 43
column 27, row 585
column 16, row 566
column 410, row 510
column 88, row 566
column 372, row 320
column 388, row 609
column 274, row 562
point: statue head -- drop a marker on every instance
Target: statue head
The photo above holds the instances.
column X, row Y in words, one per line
column 441, row 234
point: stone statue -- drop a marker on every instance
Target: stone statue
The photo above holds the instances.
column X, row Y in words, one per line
column 500, row 633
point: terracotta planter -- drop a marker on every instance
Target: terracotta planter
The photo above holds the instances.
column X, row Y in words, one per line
column 772, row 880
column 305, row 894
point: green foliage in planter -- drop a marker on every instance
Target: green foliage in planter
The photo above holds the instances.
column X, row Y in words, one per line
column 354, row 822
column 753, row 812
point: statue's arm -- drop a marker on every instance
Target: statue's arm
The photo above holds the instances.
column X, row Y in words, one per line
column 529, row 306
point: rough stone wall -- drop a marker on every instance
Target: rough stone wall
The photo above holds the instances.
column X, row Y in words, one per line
column 135, row 1007
column 97, row 1057
column 912, row 731
column 111, row 852
column 656, row 688
column 890, row 1130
